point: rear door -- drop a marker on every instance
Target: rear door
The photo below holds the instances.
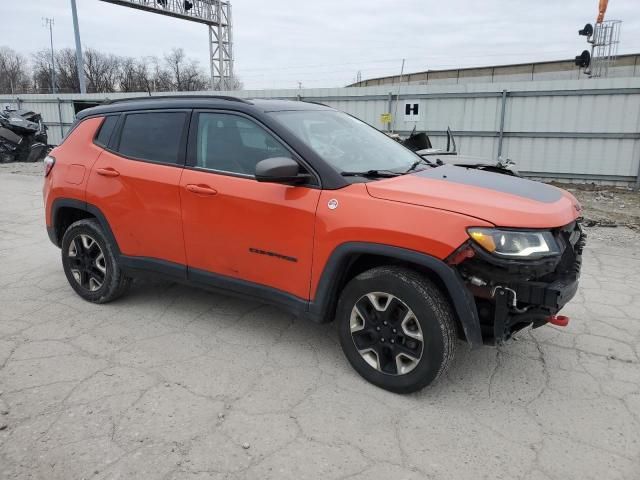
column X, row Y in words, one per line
column 135, row 183
column 235, row 226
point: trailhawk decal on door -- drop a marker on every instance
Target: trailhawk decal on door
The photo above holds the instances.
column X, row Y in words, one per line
column 273, row 254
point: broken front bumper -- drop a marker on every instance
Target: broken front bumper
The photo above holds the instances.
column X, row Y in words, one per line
column 513, row 294
column 529, row 303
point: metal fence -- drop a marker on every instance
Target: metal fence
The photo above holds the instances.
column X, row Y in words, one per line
column 577, row 130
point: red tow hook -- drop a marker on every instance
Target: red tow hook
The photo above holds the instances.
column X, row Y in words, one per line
column 558, row 320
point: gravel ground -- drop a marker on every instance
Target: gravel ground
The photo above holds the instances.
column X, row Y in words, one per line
column 29, row 169
column 608, row 206
column 174, row 383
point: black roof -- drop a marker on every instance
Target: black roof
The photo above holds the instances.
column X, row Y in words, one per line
column 261, row 105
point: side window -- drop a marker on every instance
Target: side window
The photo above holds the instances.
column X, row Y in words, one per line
column 106, row 129
column 153, row 136
column 231, row 143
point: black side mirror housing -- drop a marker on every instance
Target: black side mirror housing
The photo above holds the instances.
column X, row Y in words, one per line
column 280, row 170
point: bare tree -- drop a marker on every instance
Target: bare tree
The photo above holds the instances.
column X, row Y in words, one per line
column 187, row 76
column 67, row 71
column 134, row 76
column 175, row 61
column 234, row 84
column 41, row 71
column 193, row 79
column 13, row 72
column 101, row 71
column 161, row 78
column 105, row 73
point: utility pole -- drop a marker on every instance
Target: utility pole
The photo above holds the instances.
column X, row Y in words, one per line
column 48, row 22
column 79, row 58
column 395, row 112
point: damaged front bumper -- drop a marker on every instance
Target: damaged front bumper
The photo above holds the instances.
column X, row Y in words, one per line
column 513, row 294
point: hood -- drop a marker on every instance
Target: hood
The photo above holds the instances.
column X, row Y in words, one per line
column 503, row 200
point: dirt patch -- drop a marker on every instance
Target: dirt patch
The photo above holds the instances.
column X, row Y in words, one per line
column 607, row 206
column 32, row 169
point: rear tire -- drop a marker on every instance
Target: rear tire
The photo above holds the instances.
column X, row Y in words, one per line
column 90, row 263
column 396, row 328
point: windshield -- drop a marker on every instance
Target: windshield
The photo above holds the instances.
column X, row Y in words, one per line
column 346, row 143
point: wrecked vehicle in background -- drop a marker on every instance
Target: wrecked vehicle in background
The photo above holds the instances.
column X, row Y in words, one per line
column 420, row 143
column 23, row 136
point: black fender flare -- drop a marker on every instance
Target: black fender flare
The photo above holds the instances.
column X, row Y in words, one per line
column 59, row 203
column 327, row 292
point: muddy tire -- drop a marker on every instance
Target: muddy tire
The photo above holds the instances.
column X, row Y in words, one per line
column 396, row 328
column 90, row 264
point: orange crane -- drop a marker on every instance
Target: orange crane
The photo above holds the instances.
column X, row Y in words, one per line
column 602, row 8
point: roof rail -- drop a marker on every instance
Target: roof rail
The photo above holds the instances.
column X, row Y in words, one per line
column 176, row 97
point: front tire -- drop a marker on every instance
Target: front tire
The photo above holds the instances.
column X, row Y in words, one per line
column 396, row 328
column 90, row 264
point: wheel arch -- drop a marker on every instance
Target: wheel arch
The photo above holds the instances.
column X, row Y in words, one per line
column 65, row 211
column 350, row 259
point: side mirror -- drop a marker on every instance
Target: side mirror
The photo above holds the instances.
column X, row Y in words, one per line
column 280, row 170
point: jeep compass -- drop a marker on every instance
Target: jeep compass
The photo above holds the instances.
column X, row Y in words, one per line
column 305, row 207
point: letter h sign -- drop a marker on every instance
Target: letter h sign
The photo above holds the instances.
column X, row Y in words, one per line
column 412, row 111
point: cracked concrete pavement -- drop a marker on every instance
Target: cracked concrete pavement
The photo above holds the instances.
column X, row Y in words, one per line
column 176, row 383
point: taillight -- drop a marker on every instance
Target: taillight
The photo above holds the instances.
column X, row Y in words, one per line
column 49, row 162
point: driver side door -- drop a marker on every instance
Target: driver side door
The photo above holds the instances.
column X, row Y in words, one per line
column 234, row 226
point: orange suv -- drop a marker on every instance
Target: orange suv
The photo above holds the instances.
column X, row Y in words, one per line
column 302, row 206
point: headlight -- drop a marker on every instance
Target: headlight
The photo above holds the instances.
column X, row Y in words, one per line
column 515, row 243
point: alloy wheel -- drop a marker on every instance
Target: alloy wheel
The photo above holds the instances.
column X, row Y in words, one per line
column 386, row 333
column 87, row 262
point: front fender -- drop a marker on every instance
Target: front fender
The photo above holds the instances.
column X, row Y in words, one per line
column 322, row 307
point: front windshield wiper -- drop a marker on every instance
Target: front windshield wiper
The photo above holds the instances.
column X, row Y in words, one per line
column 415, row 164
column 372, row 174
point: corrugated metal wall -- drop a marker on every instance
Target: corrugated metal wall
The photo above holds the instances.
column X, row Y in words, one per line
column 574, row 129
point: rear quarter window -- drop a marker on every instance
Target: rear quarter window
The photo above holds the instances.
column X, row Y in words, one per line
column 153, row 136
column 106, row 130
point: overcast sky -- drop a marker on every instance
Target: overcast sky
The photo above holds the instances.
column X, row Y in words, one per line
column 279, row 43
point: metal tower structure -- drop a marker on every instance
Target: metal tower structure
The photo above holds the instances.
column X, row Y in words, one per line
column 604, row 47
column 215, row 14
column 604, row 39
